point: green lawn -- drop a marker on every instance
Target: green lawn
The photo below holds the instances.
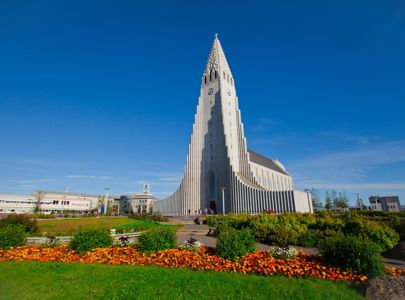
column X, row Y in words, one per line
column 35, row 280
column 63, row 227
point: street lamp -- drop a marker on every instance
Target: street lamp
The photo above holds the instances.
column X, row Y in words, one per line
column 106, row 200
column 223, row 199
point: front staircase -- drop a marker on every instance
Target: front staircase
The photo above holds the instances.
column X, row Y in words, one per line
column 189, row 228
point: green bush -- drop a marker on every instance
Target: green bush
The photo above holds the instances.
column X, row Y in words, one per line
column 379, row 233
column 91, row 238
column 400, row 229
column 262, row 231
column 309, row 238
column 157, row 239
column 232, row 243
column 283, row 235
column 30, row 225
column 12, row 236
column 352, row 253
column 155, row 217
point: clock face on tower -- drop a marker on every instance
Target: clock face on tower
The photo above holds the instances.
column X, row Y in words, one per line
column 210, row 91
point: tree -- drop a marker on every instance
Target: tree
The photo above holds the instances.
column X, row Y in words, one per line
column 360, row 204
column 341, row 200
column 40, row 195
column 316, row 201
column 328, row 201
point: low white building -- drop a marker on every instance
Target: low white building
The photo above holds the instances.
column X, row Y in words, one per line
column 49, row 202
column 141, row 203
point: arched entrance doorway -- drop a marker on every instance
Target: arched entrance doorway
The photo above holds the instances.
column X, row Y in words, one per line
column 213, row 191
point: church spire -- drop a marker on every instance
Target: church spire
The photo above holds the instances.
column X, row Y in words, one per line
column 216, row 60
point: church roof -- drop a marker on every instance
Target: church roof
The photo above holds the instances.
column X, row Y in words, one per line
column 265, row 162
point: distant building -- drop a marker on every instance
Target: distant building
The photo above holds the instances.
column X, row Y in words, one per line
column 389, row 203
column 141, row 203
column 49, row 202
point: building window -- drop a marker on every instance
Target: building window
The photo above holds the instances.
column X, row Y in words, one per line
column 205, row 79
column 212, row 186
column 224, row 74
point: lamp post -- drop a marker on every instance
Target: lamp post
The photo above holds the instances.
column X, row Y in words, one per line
column 223, row 199
column 106, row 200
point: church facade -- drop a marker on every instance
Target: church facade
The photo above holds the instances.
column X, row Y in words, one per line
column 221, row 173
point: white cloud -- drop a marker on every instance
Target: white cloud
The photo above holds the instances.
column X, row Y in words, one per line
column 46, row 180
column 87, row 177
column 350, row 165
column 360, row 186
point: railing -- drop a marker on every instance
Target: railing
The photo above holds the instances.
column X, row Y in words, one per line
column 67, row 239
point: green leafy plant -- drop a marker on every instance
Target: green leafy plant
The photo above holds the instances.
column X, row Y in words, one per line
column 155, row 217
column 379, row 233
column 283, row 235
column 157, row 239
column 232, row 243
column 352, row 253
column 91, row 238
column 309, row 238
column 29, row 224
column 12, row 236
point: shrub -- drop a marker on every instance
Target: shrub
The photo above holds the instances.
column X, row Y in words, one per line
column 262, row 231
column 352, row 253
column 30, row 225
column 309, row 238
column 400, row 229
column 283, row 235
column 379, row 233
column 157, row 239
column 156, row 217
column 12, row 236
column 91, row 238
column 233, row 243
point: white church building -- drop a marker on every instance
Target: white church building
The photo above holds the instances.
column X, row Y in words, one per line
column 221, row 173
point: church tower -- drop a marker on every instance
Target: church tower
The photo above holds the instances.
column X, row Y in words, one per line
column 220, row 172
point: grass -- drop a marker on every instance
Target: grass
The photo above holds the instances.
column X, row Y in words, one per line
column 36, row 280
column 63, row 227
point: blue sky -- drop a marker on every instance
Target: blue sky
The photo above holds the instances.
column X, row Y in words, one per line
column 97, row 94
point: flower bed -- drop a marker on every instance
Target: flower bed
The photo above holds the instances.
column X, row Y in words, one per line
column 259, row 262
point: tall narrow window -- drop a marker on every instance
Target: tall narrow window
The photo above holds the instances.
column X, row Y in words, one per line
column 224, row 74
column 205, row 79
column 212, row 186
